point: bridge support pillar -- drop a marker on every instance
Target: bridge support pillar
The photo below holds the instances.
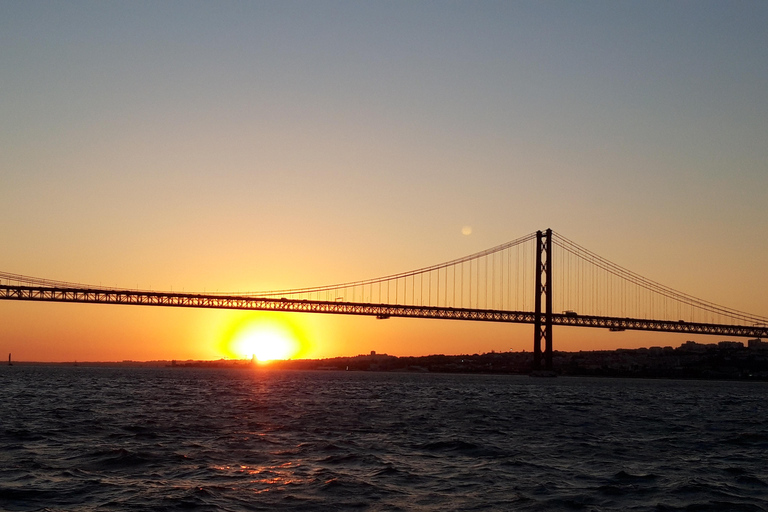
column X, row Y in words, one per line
column 543, row 322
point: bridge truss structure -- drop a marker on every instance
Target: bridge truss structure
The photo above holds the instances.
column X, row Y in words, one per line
column 489, row 286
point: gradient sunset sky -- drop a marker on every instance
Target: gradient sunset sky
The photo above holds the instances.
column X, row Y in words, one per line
column 204, row 146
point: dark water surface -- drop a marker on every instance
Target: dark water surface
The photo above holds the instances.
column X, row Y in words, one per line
column 79, row 438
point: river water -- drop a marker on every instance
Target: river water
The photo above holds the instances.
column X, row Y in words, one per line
column 97, row 438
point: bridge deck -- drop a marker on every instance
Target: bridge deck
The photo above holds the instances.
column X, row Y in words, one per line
column 244, row 302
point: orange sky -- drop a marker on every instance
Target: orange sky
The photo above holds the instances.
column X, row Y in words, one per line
column 243, row 147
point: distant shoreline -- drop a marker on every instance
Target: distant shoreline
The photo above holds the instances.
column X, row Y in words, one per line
column 725, row 360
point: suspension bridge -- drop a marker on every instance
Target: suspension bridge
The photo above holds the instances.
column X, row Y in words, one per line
column 542, row 279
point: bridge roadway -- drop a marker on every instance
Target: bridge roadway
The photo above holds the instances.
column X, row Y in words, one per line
column 244, row 302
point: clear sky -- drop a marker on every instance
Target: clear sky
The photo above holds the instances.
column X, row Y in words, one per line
column 205, row 146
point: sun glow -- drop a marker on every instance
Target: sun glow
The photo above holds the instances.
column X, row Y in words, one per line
column 263, row 341
column 266, row 345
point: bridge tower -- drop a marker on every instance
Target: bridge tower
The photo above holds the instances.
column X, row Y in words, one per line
column 542, row 327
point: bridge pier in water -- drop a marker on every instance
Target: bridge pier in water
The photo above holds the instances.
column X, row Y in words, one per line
column 542, row 330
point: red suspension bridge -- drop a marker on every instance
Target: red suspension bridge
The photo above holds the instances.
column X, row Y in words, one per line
column 523, row 281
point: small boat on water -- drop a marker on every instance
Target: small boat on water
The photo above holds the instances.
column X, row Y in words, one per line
column 9, row 360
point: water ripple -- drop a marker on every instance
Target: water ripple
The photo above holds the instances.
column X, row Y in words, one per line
column 82, row 438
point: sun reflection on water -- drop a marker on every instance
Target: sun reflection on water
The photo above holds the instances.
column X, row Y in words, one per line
column 268, row 478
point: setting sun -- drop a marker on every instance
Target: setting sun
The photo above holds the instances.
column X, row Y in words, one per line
column 266, row 345
column 263, row 340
